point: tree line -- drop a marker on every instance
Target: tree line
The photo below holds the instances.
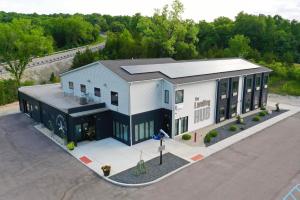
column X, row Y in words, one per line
column 270, row 40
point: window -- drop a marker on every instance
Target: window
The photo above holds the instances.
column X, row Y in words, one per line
column 71, row 85
column 249, row 83
column 114, row 98
column 222, row 113
column 184, row 124
column 176, row 126
column 82, row 88
column 143, row 131
column 233, row 110
column 166, row 96
column 120, row 130
column 97, row 92
column 179, row 96
column 223, row 88
column 235, row 86
column 257, row 82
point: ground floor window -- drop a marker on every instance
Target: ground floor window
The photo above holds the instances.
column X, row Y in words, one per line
column 181, row 125
column 247, row 104
column 143, row 131
column 222, row 113
column 120, row 130
column 233, row 109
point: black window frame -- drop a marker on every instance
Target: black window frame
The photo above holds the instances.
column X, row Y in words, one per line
column 114, row 98
column 167, row 97
column 178, row 101
column 81, row 88
column 96, row 92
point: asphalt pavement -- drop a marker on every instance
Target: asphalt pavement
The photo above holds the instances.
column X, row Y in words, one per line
column 264, row 166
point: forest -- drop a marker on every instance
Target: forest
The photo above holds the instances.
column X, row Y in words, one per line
column 268, row 40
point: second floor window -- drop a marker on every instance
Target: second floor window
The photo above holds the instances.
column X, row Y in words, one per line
column 249, row 83
column 166, row 96
column 179, row 96
column 97, row 92
column 235, row 85
column 82, row 88
column 71, row 85
column 257, row 81
column 114, row 98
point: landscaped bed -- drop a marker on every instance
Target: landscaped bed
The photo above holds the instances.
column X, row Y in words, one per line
column 153, row 170
column 233, row 128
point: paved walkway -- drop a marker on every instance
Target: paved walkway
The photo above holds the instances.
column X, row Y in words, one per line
column 265, row 166
column 122, row 157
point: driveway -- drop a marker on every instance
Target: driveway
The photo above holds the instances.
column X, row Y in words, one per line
column 263, row 166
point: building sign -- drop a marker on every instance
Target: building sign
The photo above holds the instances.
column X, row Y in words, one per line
column 201, row 110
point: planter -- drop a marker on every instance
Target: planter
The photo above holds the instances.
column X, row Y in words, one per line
column 106, row 170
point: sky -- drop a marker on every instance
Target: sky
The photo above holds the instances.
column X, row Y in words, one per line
column 194, row 9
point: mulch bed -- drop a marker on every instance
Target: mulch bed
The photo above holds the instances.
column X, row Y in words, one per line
column 224, row 132
column 153, row 170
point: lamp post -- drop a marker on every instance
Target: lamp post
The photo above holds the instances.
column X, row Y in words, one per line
column 162, row 135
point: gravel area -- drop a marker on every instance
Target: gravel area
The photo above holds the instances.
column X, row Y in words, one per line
column 224, row 132
column 154, row 170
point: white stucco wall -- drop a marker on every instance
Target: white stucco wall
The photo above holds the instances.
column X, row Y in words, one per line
column 202, row 90
column 96, row 75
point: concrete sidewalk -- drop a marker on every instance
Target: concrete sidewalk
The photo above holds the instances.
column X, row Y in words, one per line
column 121, row 157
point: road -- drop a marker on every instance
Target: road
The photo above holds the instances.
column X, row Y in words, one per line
column 59, row 56
column 264, row 166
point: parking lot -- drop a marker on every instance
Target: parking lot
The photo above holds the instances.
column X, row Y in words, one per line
column 263, row 166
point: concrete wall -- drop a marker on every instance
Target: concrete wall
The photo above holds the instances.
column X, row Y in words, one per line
column 96, row 75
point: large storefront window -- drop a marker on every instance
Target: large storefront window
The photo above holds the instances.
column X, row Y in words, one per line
column 181, row 125
column 143, row 131
column 120, row 131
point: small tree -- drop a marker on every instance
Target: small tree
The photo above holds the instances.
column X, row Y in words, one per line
column 20, row 42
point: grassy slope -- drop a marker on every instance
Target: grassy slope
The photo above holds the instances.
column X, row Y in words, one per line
column 282, row 86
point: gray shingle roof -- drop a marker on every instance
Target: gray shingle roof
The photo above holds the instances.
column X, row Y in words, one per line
column 115, row 66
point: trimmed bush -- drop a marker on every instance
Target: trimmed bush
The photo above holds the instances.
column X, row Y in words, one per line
column 207, row 138
column 256, row 118
column 71, row 146
column 263, row 108
column 213, row 133
column 239, row 120
column 186, row 137
column 233, row 128
column 262, row 113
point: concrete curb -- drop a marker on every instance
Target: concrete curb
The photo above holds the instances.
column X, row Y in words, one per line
column 212, row 149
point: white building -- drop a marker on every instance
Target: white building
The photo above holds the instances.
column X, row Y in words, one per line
column 131, row 100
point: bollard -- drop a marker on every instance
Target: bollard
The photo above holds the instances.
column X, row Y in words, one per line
column 195, row 137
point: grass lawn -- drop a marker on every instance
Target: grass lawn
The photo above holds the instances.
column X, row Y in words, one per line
column 284, row 87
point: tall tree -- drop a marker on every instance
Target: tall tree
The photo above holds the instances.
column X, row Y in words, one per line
column 20, row 42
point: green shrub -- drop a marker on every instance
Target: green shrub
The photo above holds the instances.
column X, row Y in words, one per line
column 256, row 118
column 262, row 113
column 207, row 138
column 263, row 108
column 71, row 146
column 213, row 133
column 239, row 120
column 233, row 128
column 186, row 137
